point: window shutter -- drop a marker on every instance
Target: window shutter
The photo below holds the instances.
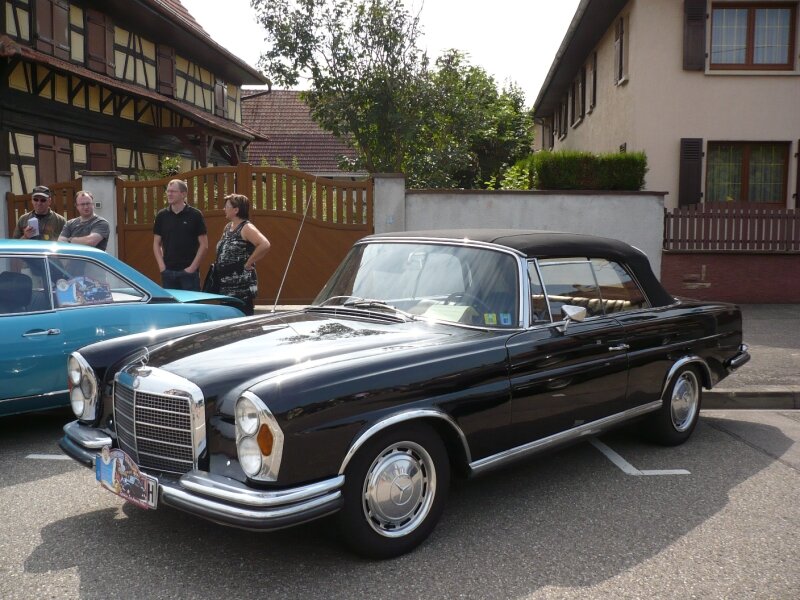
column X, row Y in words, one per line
column 52, row 27
column 594, row 80
column 45, row 160
column 100, row 157
column 99, row 42
column 619, row 32
column 694, row 35
column 797, row 184
column 691, row 169
column 166, row 70
column 54, row 158
column 219, row 98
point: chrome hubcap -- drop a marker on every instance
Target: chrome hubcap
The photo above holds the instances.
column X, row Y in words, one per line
column 399, row 489
column 685, row 400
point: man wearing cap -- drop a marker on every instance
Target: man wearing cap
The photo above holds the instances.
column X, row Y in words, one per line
column 87, row 228
column 50, row 223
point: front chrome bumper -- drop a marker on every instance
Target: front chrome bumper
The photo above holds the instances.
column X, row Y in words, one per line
column 221, row 499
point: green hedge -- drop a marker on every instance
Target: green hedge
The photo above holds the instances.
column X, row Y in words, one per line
column 570, row 170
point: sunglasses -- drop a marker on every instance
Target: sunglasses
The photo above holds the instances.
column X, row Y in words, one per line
column 41, row 199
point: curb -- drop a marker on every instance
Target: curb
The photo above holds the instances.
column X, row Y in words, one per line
column 752, row 399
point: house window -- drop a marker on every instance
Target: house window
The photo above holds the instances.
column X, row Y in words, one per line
column 578, row 97
column 752, row 36
column 621, row 35
column 747, row 172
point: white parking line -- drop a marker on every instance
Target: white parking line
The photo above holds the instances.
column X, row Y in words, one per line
column 48, row 456
column 627, row 467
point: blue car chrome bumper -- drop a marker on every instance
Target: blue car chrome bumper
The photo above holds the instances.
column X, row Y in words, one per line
column 221, row 499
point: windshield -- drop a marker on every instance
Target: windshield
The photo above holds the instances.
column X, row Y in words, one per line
column 474, row 286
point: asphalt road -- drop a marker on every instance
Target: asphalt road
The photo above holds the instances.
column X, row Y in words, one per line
column 572, row 524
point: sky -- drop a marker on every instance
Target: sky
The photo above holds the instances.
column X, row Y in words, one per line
column 512, row 40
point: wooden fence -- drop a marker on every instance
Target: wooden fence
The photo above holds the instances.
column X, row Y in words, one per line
column 333, row 214
column 732, row 227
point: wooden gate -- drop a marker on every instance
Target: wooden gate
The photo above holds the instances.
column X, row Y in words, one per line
column 337, row 213
column 63, row 202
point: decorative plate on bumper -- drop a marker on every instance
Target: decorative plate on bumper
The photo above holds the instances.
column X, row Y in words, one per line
column 117, row 472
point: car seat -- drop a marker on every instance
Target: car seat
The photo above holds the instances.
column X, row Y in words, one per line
column 15, row 292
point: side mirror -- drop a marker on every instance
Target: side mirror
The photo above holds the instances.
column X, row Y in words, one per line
column 572, row 313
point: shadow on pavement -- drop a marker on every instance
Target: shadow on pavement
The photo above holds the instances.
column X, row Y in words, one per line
column 567, row 519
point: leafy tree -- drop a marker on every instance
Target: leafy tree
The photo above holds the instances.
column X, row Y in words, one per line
column 472, row 131
column 364, row 65
column 370, row 84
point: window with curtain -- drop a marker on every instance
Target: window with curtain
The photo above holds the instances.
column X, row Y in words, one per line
column 747, row 36
column 747, row 172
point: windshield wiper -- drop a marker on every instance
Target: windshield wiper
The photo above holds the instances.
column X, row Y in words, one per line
column 378, row 304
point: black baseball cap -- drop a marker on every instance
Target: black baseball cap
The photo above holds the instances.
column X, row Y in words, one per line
column 41, row 190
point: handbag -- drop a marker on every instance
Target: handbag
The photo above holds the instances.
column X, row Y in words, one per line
column 211, row 283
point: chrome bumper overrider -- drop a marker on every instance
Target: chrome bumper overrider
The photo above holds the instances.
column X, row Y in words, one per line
column 221, row 499
column 742, row 357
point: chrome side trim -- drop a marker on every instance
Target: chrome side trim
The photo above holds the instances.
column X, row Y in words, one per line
column 85, row 436
column 589, row 429
column 401, row 418
column 230, row 490
column 65, row 391
column 682, row 362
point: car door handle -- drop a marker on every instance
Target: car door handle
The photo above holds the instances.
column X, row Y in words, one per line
column 39, row 333
column 618, row 347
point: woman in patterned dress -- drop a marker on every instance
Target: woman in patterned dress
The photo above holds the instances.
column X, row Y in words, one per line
column 240, row 246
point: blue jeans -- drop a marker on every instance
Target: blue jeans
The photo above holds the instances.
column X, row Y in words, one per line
column 180, row 280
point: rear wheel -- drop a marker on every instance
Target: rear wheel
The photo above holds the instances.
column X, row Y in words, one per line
column 394, row 492
column 676, row 419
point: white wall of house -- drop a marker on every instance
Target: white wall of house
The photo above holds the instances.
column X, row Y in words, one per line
column 660, row 103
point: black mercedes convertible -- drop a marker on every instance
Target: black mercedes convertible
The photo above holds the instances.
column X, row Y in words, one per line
column 428, row 355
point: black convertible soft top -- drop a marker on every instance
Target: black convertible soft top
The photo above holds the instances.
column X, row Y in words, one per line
column 553, row 244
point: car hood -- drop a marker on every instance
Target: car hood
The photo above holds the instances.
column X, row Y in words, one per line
column 252, row 350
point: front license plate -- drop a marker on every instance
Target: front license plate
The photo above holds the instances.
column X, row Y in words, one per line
column 117, row 473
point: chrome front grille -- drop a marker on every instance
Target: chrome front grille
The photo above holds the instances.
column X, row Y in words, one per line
column 162, row 428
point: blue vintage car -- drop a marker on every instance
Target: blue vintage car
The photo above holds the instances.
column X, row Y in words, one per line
column 55, row 298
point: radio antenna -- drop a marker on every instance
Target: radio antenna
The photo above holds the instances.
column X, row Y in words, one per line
column 294, row 246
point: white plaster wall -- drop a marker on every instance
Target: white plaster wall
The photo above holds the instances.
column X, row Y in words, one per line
column 635, row 218
column 661, row 103
column 102, row 186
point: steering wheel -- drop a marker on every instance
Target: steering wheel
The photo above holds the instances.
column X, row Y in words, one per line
column 466, row 299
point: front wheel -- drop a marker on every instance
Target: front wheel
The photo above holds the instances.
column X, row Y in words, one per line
column 676, row 419
column 394, row 492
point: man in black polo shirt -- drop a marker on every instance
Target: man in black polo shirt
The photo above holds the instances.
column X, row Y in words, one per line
column 180, row 240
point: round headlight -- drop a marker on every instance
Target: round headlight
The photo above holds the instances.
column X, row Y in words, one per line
column 249, row 456
column 78, row 401
column 87, row 387
column 246, row 416
column 74, row 369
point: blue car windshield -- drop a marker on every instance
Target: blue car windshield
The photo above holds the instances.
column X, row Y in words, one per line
column 473, row 286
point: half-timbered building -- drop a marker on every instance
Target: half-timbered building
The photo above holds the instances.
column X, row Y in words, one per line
column 105, row 85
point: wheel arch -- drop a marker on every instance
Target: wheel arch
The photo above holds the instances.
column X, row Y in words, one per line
column 453, row 438
column 692, row 360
